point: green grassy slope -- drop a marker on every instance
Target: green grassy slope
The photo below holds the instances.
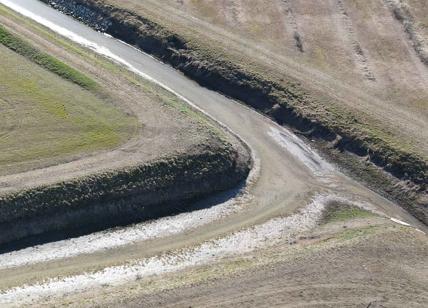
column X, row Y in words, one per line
column 50, row 63
column 46, row 117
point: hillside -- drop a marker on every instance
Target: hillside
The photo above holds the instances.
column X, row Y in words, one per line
column 356, row 53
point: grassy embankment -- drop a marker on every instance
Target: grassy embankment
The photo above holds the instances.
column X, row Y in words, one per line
column 51, row 111
column 342, row 212
column 48, row 62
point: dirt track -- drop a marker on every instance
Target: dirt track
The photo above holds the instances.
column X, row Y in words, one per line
column 290, row 175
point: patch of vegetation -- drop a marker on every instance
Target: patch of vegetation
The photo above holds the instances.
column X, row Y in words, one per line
column 350, row 234
column 47, row 61
column 45, row 119
column 342, row 212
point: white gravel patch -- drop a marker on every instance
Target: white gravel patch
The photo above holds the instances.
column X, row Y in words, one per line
column 299, row 149
column 102, row 241
column 244, row 241
column 400, row 222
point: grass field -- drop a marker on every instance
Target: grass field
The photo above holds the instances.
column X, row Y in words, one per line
column 45, row 117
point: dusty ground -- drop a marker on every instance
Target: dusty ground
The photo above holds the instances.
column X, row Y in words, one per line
column 383, row 271
column 368, row 273
column 361, row 262
column 355, row 53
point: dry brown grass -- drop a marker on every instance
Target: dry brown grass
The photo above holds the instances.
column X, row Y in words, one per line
column 356, row 54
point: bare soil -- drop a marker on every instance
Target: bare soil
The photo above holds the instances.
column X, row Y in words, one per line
column 354, row 52
column 353, row 263
column 356, row 279
column 364, row 274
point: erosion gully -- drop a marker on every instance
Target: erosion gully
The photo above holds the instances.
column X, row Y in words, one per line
column 286, row 193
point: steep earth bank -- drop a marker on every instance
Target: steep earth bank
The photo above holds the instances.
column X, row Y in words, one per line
column 285, row 101
column 147, row 191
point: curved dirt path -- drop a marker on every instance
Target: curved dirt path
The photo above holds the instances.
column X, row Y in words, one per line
column 290, row 175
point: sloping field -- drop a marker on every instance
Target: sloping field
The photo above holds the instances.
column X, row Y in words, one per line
column 413, row 16
column 354, row 55
column 355, row 261
column 295, row 276
column 46, row 119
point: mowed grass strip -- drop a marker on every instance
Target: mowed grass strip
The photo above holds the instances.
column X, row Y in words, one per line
column 342, row 212
column 47, row 61
column 46, row 119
